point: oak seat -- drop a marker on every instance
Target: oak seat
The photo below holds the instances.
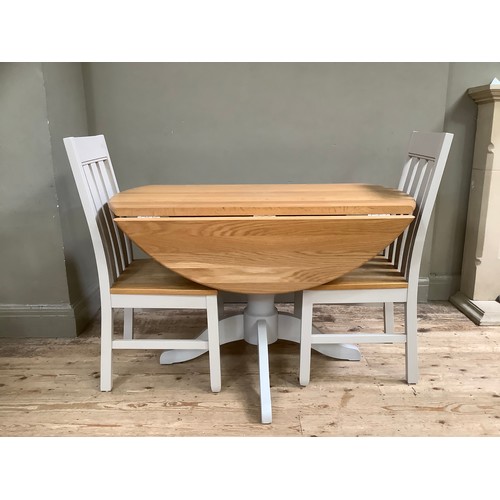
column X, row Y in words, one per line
column 148, row 277
column 376, row 273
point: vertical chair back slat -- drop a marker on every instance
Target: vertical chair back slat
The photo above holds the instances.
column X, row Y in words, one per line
column 420, row 194
column 407, row 176
column 98, row 170
column 420, row 178
column 99, row 219
column 96, row 184
column 111, row 188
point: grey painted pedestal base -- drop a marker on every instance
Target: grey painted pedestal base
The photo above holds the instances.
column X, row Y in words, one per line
column 261, row 324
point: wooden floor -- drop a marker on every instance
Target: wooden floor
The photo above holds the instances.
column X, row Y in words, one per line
column 50, row 387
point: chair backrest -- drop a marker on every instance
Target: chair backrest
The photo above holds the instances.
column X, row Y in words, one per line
column 96, row 184
column 421, row 177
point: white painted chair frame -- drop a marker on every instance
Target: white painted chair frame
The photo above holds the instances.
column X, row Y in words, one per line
column 96, row 183
column 421, row 177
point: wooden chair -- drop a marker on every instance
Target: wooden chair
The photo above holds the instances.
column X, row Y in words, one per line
column 392, row 277
column 127, row 283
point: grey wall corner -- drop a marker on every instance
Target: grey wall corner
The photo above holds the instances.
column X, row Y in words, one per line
column 48, row 276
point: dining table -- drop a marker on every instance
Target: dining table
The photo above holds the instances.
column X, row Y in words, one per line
column 261, row 240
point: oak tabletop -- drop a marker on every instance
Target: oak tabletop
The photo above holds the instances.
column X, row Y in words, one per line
column 262, row 238
column 219, row 200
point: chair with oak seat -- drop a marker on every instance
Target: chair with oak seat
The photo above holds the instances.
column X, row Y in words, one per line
column 127, row 283
column 391, row 277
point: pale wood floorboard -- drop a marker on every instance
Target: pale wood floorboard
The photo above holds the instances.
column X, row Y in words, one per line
column 50, row 387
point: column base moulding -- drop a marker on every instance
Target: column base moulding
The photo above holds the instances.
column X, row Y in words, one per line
column 481, row 312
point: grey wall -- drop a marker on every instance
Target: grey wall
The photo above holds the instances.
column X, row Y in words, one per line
column 262, row 122
column 39, row 229
column 213, row 123
column 66, row 113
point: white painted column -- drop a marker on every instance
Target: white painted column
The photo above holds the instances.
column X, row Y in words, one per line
column 260, row 307
column 480, row 281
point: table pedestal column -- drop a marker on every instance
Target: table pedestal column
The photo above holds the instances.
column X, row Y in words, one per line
column 260, row 327
column 261, row 324
column 260, row 307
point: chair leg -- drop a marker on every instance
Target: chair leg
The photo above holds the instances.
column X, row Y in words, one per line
column 297, row 304
column 388, row 317
column 411, row 341
column 220, row 305
column 213, row 343
column 106, row 348
column 128, row 323
column 305, row 342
